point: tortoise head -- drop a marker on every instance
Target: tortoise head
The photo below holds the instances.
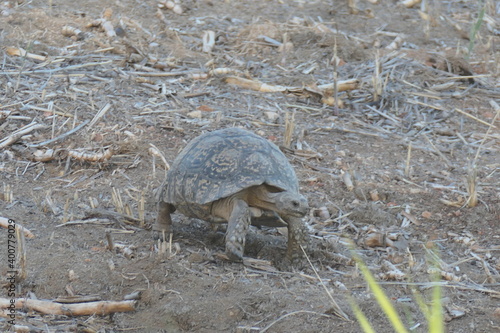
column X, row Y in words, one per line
column 291, row 204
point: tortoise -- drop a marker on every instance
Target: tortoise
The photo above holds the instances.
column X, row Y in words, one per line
column 235, row 176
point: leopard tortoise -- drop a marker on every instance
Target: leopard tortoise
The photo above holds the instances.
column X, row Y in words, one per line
column 234, row 176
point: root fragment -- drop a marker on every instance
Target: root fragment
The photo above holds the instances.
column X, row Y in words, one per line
column 104, row 23
column 20, row 52
column 70, row 31
column 91, row 157
column 391, row 272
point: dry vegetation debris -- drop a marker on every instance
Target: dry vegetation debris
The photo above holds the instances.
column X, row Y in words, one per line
column 394, row 134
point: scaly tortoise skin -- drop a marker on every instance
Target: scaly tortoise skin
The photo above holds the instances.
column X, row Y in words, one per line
column 234, row 176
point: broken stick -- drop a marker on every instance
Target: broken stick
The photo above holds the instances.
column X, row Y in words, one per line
column 16, row 135
column 80, row 309
column 4, row 223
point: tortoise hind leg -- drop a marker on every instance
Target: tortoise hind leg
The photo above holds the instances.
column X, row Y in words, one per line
column 163, row 224
column 237, row 228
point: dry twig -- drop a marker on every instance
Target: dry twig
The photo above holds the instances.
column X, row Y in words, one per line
column 16, row 135
column 59, row 137
column 82, row 309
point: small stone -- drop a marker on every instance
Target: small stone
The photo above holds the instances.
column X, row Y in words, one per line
column 272, row 116
column 177, row 9
column 72, row 275
column 195, row 258
column 322, row 213
column 194, row 114
column 426, row 215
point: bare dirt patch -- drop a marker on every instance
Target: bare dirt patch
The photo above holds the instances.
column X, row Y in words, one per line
column 420, row 121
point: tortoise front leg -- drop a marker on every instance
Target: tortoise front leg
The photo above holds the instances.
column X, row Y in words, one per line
column 163, row 224
column 237, row 228
column 297, row 236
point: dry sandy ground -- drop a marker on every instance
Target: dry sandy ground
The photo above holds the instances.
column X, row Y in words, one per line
column 413, row 136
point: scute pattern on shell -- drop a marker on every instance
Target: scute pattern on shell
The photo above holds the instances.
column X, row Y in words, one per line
column 218, row 164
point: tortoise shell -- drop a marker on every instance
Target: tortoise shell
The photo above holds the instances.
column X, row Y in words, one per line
column 218, row 164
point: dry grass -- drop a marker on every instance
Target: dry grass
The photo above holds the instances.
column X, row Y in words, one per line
column 289, row 129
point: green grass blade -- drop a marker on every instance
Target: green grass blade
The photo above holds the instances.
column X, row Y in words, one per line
column 382, row 299
column 361, row 318
column 421, row 304
column 436, row 320
column 475, row 28
column 434, row 315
